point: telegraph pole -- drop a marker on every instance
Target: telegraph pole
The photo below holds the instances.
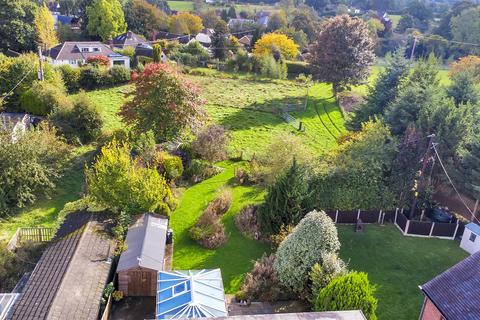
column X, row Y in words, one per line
column 421, row 185
column 41, row 75
column 415, row 39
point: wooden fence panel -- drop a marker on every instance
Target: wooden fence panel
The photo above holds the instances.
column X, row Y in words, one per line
column 401, row 221
column 389, row 215
column 370, row 216
column 331, row 214
column 444, row 229
column 419, row 228
column 347, row 216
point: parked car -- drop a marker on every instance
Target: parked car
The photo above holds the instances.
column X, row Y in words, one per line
column 440, row 215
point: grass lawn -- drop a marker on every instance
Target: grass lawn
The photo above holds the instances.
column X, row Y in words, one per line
column 236, row 256
column 395, row 19
column 44, row 212
column 397, row 265
column 181, row 5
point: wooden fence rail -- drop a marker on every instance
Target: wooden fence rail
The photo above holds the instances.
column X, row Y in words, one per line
column 34, row 234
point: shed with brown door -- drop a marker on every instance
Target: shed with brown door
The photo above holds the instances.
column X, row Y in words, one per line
column 144, row 257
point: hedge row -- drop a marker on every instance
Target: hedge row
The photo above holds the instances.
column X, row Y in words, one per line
column 92, row 77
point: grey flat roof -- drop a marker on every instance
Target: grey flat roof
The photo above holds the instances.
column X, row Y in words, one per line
column 145, row 243
column 328, row 315
column 455, row 292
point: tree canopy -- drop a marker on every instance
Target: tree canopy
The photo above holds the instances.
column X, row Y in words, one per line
column 144, row 18
column 17, row 30
column 270, row 42
column 342, row 52
column 45, row 27
column 105, row 19
column 164, row 102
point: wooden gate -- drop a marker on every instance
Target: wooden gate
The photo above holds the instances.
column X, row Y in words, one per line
column 141, row 283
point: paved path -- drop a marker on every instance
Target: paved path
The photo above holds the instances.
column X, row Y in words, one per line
column 81, row 290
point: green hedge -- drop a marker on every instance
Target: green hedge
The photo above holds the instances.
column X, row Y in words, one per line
column 297, row 67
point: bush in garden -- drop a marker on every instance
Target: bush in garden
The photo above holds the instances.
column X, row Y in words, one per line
column 168, row 165
column 82, row 121
column 314, row 237
column 144, row 146
column 221, row 203
column 71, row 77
column 322, row 273
column 119, row 74
column 209, row 231
column 91, row 77
column 43, row 98
column 211, row 143
column 278, row 238
column 349, row 292
column 285, row 202
column 120, row 184
column 98, row 61
column 272, row 68
column 261, row 283
column 30, row 166
column 246, row 222
column 200, row 170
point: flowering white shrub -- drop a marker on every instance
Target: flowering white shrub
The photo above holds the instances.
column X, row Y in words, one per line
column 314, row 237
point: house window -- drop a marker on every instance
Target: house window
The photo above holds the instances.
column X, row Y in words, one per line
column 85, row 50
column 473, row 237
column 72, row 62
column 96, row 49
column 179, row 289
column 118, row 62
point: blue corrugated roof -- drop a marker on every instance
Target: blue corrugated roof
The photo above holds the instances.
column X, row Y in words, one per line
column 190, row 294
column 473, row 227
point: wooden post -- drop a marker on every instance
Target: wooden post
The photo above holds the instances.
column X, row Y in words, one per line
column 421, row 216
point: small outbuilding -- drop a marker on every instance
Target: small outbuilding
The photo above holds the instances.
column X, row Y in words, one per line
column 190, row 294
column 144, row 257
column 471, row 238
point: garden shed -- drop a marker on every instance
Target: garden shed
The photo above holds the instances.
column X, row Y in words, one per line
column 471, row 238
column 144, row 257
column 190, row 294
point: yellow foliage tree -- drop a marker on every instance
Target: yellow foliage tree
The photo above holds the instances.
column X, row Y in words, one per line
column 45, row 27
column 185, row 23
column 275, row 41
column 469, row 64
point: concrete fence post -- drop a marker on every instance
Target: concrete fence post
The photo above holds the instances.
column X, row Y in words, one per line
column 407, row 227
column 379, row 216
column 421, row 216
column 395, row 219
column 358, row 214
column 455, row 233
column 431, row 229
column 336, row 216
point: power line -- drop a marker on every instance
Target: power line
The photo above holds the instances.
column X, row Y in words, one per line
column 21, row 80
column 451, row 182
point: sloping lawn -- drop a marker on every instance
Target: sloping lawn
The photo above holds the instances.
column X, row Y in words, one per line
column 236, row 256
column 397, row 265
column 181, row 5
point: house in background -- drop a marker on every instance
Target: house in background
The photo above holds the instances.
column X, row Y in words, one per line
column 454, row 294
column 128, row 39
column 190, row 294
column 471, row 238
column 144, row 257
column 76, row 53
column 246, row 41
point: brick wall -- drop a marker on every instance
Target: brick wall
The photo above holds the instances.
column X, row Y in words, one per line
column 430, row 312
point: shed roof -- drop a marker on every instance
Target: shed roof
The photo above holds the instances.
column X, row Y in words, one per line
column 455, row 292
column 190, row 294
column 146, row 240
column 473, row 227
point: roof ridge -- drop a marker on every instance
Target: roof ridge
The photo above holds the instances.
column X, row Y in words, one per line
column 142, row 254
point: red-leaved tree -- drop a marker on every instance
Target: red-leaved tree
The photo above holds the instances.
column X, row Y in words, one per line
column 342, row 52
column 164, row 102
column 99, row 60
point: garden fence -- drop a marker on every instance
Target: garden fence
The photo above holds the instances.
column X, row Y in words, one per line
column 30, row 234
column 408, row 227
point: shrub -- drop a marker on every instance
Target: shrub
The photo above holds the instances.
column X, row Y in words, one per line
column 71, row 77
column 278, row 238
column 30, row 166
column 211, row 143
column 209, row 231
column 144, row 146
column 297, row 67
column 221, row 203
column 120, row 184
column 349, row 292
column 286, row 200
column 200, row 170
column 43, row 98
column 98, row 61
column 90, row 77
column 271, row 68
column 82, row 121
column 119, row 75
column 314, row 237
column 246, row 222
column 168, row 165
column 262, row 283
column 117, row 295
column 330, row 268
